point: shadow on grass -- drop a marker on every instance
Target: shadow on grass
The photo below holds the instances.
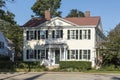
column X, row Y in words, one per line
column 36, row 76
column 12, row 75
column 115, row 78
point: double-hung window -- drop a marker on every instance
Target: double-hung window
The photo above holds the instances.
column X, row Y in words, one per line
column 42, row 34
column 31, row 35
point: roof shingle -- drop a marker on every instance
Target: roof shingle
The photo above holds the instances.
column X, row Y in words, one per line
column 76, row 20
column 84, row 20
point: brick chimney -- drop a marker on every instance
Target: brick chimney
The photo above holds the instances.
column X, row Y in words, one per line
column 87, row 14
column 47, row 14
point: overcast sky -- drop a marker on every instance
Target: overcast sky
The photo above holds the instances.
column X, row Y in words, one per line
column 108, row 10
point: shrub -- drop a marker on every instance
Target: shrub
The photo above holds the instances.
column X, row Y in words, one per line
column 6, row 65
column 76, row 65
column 4, row 58
column 21, row 66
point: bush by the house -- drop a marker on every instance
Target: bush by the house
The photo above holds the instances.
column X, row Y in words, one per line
column 21, row 66
column 4, row 58
column 75, row 65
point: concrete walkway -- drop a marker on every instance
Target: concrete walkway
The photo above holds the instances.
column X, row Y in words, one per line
column 58, row 76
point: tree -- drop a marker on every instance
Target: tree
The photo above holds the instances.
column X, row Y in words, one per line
column 6, row 15
column 14, row 33
column 75, row 13
column 111, row 52
column 41, row 5
column 9, row 28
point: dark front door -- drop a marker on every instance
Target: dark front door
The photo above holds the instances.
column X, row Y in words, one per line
column 57, row 56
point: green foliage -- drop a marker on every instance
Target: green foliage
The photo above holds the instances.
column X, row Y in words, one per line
column 41, row 5
column 6, row 65
column 78, row 65
column 4, row 58
column 75, row 13
column 27, row 66
column 15, row 34
column 6, row 15
column 111, row 52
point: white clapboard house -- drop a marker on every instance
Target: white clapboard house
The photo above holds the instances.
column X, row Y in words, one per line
column 62, row 39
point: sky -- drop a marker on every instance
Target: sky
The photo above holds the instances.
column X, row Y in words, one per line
column 108, row 10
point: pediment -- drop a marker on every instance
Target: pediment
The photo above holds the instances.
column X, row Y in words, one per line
column 57, row 22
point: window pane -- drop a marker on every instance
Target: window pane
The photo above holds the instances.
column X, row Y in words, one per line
column 31, row 35
column 57, row 34
column 31, row 54
column 42, row 54
column 73, row 34
column 84, row 54
column 42, row 34
column 73, row 54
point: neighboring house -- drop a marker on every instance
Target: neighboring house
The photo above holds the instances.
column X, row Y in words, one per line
column 6, row 47
column 62, row 39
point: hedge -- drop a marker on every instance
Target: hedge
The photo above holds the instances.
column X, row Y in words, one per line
column 80, row 65
column 4, row 58
column 20, row 65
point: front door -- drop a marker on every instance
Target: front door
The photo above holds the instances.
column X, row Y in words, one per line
column 57, row 56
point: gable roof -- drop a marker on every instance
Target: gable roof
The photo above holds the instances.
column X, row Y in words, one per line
column 82, row 21
column 34, row 22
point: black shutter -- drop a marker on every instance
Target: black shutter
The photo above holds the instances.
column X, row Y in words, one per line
column 61, row 33
column 89, row 34
column 38, row 54
column 38, row 35
column 68, row 34
column 27, row 54
column 27, row 37
column 46, row 34
column 35, row 54
column 76, row 34
column 35, row 35
column 80, row 34
column 53, row 34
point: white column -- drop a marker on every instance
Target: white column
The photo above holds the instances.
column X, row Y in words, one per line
column 64, row 53
column 49, row 58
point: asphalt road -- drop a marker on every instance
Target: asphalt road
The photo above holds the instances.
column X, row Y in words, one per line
column 58, row 76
